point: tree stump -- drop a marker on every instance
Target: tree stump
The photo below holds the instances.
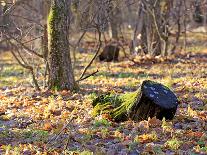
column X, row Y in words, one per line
column 110, row 53
column 152, row 99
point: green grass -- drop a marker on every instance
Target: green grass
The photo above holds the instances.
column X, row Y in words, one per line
column 102, row 122
column 173, row 143
column 12, row 75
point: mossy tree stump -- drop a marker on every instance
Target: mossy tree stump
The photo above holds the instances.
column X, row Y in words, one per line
column 154, row 99
column 150, row 100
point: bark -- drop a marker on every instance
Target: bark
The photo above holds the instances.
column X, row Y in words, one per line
column 151, row 31
column 1, row 13
column 139, row 36
column 61, row 72
column 114, row 19
column 114, row 25
column 45, row 9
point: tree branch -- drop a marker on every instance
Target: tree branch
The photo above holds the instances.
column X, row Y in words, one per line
column 94, row 57
column 87, row 76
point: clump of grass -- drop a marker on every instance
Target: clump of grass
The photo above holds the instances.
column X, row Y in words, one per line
column 35, row 135
column 117, row 106
column 121, row 112
column 173, row 144
column 102, row 122
column 104, row 133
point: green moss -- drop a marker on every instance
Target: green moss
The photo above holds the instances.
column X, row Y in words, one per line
column 121, row 113
column 105, row 98
column 53, row 19
column 102, row 108
column 118, row 106
column 105, row 103
column 53, row 38
column 102, row 122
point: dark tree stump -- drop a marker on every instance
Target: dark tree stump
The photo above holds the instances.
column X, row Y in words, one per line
column 150, row 100
column 154, row 99
column 110, row 53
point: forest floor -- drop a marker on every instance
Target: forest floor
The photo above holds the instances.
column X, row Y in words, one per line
column 55, row 122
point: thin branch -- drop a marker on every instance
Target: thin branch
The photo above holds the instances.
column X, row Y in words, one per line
column 25, row 47
column 58, row 134
column 25, row 18
column 94, row 57
column 25, row 66
column 87, row 76
column 26, row 42
column 12, row 7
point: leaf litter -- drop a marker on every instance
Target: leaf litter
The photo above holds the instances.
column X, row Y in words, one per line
column 51, row 122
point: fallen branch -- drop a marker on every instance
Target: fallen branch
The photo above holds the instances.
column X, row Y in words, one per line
column 64, row 127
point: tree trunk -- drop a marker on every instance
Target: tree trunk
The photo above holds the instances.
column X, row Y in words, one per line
column 61, row 73
column 153, row 24
column 139, row 39
column 1, row 13
column 114, row 19
column 113, row 29
column 151, row 31
column 153, row 100
column 45, row 9
column 198, row 15
column 5, row 17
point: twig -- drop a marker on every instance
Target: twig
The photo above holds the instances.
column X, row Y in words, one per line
column 30, row 68
column 87, row 76
column 76, row 46
column 99, row 47
column 25, row 47
column 64, row 127
column 25, row 18
column 26, row 42
column 68, row 140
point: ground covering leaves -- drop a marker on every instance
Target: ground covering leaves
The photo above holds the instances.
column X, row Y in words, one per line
column 54, row 122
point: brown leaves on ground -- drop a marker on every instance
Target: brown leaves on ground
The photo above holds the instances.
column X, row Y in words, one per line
column 52, row 122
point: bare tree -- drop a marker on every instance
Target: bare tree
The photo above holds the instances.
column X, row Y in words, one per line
column 151, row 31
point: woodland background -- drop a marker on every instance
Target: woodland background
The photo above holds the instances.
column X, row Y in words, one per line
column 50, row 72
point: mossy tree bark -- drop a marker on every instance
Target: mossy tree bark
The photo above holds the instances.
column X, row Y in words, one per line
column 61, row 72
